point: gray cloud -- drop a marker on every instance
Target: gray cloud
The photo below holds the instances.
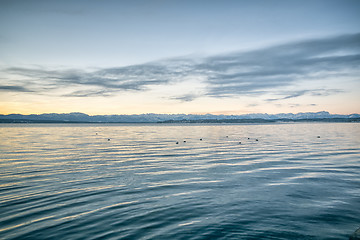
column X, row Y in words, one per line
column 251, row 73
column 14, row 89
column 107, row 81
column 284, row 65
column 313, row 92
column 186, row 97
column 86, row 93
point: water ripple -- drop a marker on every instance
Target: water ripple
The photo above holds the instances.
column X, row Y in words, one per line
column 66, row 182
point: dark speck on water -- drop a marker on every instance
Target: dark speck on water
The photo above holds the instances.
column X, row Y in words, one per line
column 60, row 181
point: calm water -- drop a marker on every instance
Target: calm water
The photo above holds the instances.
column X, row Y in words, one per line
column 70, row 182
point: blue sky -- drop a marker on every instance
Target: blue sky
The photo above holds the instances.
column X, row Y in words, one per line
column 232, row 57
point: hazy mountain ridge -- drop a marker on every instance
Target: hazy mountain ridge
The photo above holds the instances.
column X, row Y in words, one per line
column 152, row 117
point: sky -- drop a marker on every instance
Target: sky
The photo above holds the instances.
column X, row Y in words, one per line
column 179, row 56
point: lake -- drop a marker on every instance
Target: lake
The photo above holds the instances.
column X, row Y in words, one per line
column 179, row 181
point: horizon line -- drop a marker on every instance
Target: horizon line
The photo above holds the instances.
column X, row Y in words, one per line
column 152, row 113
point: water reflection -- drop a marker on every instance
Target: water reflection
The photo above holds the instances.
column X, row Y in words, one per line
column 68, row 181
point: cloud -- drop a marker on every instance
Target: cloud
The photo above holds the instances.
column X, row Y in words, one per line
column 252, row 73
column 87, row 93
column 279, row 66
column 14, row 89
column 105, row 81
column 312, row 92
column 186, row 97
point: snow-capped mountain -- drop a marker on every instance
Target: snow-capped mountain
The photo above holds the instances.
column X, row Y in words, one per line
column 151, row 117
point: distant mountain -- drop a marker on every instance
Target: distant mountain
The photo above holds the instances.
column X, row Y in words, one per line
column 152, row 118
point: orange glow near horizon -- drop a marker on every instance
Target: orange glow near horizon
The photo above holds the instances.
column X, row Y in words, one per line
column 109, row 106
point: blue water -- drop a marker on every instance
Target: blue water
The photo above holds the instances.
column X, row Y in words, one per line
column 68, row 181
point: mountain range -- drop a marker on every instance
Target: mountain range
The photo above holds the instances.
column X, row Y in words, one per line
column 154, row 118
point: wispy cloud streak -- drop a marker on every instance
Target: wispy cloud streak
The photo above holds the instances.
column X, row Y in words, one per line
column 14, row 89
column 312, row 92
